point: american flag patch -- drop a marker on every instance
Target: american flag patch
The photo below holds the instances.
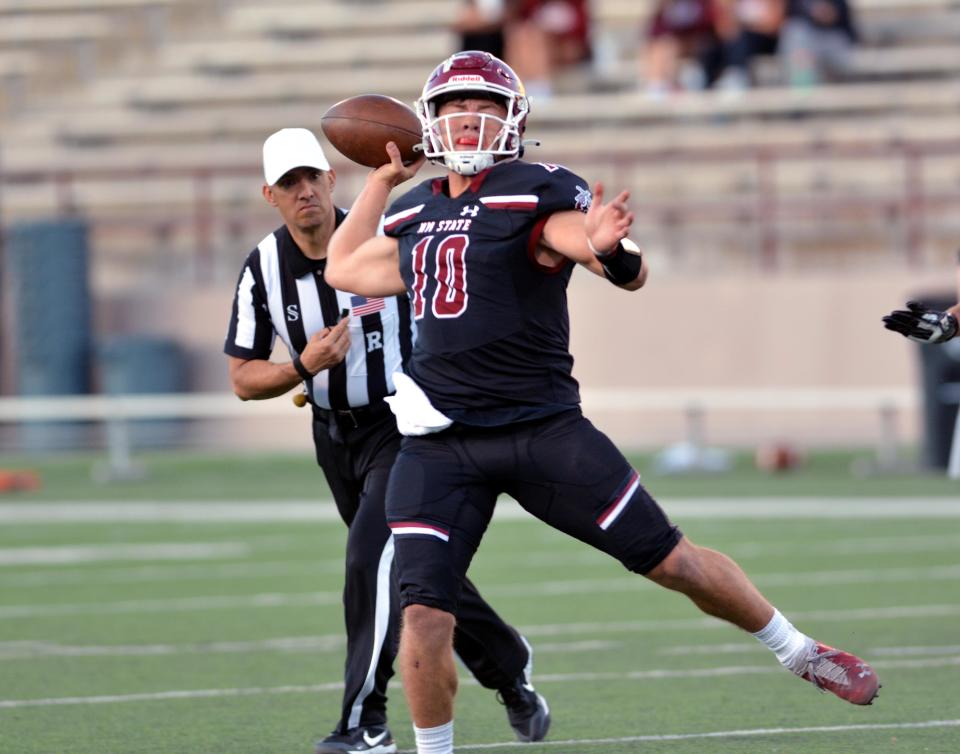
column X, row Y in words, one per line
column 360, row 305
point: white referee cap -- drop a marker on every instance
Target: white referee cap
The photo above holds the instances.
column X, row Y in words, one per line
column 291, row 148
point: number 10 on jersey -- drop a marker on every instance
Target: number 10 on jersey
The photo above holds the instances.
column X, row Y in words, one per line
column 449, row 270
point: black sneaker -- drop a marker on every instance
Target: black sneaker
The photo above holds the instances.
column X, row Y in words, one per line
column 527, row 711
column 358, row 741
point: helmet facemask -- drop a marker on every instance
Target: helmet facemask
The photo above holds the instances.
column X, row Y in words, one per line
column 499, row 138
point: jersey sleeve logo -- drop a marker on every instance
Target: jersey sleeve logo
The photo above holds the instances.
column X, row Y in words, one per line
column 583, row 199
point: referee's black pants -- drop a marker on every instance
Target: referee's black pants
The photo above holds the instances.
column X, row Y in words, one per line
column 356, row 451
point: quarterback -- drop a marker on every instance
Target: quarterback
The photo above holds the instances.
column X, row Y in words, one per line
column 488, row 405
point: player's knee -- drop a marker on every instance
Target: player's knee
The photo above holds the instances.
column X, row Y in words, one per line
column 681, row 570
column 428, row 625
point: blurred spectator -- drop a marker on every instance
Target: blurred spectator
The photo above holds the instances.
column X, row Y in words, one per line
column 681, row 33
column 816, row 41
column 753, row 30
column 480, row 23
column 544, row 36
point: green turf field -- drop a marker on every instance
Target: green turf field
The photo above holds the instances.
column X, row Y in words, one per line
column 187, row 637
column 200, row 476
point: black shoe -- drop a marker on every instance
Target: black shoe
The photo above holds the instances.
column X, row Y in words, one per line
column 358, row 741
column 527, row 711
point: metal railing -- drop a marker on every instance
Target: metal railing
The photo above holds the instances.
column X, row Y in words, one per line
column 116, row 412
column 766, row 209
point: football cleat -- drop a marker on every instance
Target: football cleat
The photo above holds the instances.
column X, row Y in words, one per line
column 527, row 711
column 840, row 673
column 372, row 740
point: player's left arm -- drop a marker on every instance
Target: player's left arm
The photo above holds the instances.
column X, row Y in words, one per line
column 597, row 240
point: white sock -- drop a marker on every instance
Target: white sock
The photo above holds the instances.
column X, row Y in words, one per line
column 437, row 740
column 788, row 644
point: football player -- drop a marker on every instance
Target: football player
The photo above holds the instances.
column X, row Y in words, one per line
column 488, row 404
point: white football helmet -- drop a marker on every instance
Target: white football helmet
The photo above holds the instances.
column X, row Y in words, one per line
column 461, row 74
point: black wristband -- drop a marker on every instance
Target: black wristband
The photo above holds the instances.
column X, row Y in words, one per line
column 301, row 369
column 621, row 266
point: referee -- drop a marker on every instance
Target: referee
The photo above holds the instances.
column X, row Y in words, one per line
column 345, row 349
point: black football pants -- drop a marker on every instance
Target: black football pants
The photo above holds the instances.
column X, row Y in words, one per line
column 356, row 454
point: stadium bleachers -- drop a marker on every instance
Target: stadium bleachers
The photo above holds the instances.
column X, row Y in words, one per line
column 173, row 117
column 148, row 121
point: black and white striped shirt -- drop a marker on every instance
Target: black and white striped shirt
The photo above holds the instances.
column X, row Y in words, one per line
column 282, row 293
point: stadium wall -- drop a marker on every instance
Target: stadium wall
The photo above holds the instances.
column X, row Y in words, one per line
column 744, row 331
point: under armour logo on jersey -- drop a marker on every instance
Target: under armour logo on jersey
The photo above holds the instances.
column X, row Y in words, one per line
column 471, row 209
column 374, row 341
column 293, row 313
column 583, row 199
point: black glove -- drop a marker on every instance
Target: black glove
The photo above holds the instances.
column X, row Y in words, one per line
column 921, row 324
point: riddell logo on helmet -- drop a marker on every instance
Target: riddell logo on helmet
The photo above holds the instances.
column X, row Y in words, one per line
column 466, row 79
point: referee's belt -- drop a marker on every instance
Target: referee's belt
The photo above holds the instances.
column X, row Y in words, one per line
column 353, row 418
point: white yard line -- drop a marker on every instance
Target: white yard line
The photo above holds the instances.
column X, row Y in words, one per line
column 164, row 512
column 915, row 651
column 61, row 554
column 640, row 675
column 699, row 623
column 545, row 559
column 793, row 578
column 718, row 734
column 526, row 591
column 679, row 508
column 756, row 647
column 174, row 605
column 734, row 670
column 21, row 650
column 170, row 572
column 847, row 542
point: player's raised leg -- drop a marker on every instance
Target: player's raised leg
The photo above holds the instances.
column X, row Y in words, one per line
column 623, row 520
column 719, row 587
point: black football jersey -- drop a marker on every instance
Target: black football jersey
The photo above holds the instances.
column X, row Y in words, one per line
column 492, row 326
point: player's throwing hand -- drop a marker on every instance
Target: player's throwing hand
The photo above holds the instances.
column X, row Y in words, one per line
column 395, row 172
column 923, row 325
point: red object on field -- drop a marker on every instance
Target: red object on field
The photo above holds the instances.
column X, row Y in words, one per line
column 778, row 456
column 360, row 127
column 18, row 481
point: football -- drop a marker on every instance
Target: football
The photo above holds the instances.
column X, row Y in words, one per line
column 360, row 127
